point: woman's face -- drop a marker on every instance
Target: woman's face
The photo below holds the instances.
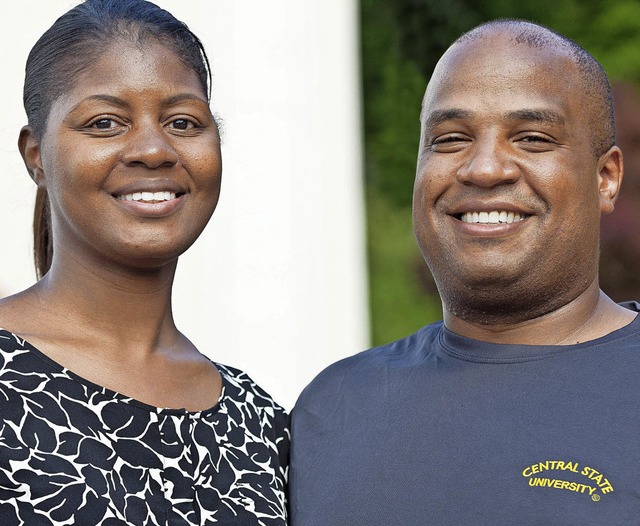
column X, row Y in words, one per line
column 131, row 159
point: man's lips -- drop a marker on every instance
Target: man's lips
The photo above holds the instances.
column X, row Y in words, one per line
column 491, row 217
column 491, row 212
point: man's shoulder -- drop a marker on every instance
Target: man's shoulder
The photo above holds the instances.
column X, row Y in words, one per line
column 362, row 369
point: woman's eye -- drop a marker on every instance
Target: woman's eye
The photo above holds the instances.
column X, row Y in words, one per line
column 103, row 124
column 182, row 124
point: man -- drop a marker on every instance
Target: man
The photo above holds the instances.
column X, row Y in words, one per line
column 523, row 406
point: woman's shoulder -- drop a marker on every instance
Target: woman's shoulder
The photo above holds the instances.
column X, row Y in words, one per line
column 240, row 385
column 20, row 314
column 10, row 342
column 252, row 407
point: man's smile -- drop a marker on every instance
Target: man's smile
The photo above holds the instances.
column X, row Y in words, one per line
column 492, row 217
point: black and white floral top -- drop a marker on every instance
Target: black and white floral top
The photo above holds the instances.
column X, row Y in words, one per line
column 75, row 453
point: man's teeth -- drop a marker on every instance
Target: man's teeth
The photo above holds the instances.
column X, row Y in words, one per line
column 492, row 217
column 148, row 196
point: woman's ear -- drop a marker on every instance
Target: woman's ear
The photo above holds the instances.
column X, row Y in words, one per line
column 29, row 147
column 610, row 171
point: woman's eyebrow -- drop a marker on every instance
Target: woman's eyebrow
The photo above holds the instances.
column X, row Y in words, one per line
column 174, row 99
column 116, row 101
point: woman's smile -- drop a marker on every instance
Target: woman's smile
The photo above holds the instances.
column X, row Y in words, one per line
column 151, row 204
column 148, row 197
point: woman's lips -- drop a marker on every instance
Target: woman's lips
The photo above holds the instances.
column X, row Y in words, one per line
column 148, row 197
column 151, row 204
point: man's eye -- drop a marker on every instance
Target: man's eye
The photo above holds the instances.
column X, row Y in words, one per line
column 448, row 143
column 536, row 138
column 448, row 138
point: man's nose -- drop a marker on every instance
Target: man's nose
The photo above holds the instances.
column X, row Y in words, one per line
column 489, row 164
column 149, row 145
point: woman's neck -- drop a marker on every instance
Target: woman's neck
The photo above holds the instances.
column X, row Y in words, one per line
column 110, row 303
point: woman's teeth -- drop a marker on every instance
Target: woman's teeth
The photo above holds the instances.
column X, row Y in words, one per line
column 492, row 217
column 148, row 196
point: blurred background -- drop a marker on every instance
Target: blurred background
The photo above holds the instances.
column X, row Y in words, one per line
column 310, row 256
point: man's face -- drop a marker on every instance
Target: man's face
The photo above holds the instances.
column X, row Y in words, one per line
column 506, row 198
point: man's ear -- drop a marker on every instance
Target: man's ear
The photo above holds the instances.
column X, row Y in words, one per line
column 29, row 147
column 610, row 171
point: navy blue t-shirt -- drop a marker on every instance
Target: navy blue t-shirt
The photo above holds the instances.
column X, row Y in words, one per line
column 438, row 429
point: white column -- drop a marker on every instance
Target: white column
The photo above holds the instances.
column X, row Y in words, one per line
column 276, row 284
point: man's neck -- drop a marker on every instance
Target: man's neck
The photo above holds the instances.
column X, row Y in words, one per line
column 589, row 316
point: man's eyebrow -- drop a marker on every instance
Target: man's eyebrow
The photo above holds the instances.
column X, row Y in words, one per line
column 536, row 115
column 549, row 116
column 437, row 116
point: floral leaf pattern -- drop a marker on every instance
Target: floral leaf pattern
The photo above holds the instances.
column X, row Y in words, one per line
column 72, row 452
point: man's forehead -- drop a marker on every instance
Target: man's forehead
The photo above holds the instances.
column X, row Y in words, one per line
column 501, row 48
column 497, row 63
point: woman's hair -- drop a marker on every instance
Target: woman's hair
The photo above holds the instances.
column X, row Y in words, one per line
column 70, row 46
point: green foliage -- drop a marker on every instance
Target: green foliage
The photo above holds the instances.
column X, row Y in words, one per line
column 401, row 43
column 613, row 40
column 403, row 297
column 394, row 89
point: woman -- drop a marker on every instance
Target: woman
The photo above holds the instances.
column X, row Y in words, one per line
column 110, row 414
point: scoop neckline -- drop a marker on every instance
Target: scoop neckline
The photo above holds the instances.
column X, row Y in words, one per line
column 105, row 391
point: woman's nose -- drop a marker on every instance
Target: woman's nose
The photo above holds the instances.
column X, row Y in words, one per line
column 150, row 146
